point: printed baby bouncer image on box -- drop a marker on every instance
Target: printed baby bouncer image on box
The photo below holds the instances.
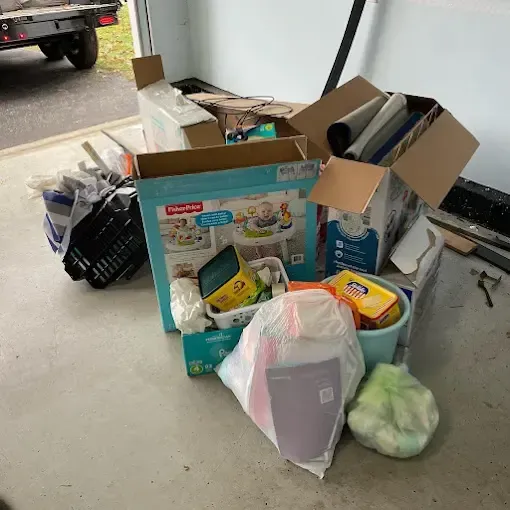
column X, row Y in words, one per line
column 253, row 198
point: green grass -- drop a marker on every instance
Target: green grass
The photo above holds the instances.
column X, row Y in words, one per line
column 116, row 46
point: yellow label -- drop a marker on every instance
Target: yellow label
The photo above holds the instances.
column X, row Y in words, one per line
column 377, row 306
column 237, row 290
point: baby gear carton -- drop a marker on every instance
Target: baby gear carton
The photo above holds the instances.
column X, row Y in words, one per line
column 252, row 196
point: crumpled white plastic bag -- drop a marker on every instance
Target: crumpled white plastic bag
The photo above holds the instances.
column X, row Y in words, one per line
column 297, row 328
column 188, row 309
column 393, row 413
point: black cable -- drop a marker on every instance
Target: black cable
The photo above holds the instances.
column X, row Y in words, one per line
column 251, row 112
column 345, row 46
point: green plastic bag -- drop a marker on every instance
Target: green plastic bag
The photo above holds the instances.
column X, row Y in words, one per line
column 393, row 413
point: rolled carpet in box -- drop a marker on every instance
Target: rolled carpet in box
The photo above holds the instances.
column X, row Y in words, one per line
column 344, row 131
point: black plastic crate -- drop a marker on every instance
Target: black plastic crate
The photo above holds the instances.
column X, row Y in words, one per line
column 108, row 244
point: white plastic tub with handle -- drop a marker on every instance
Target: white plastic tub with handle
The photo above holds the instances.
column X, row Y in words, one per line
column 240, row 317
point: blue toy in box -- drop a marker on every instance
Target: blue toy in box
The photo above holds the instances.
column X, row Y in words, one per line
column 251, row 195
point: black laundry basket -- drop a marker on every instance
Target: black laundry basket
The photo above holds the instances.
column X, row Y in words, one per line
column 109, row 243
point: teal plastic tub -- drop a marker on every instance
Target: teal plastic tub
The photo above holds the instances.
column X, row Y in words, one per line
column 379, row 345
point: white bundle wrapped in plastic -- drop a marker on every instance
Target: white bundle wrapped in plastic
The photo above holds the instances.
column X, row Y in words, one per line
column 295, row 369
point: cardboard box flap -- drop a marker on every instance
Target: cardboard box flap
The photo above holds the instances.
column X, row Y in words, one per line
column 417, row 250
column 205, row 134
column 347, row 185
column 235, row 105
column 223, row 157
column 148, row 70
column 315, row 120
column 432, row 164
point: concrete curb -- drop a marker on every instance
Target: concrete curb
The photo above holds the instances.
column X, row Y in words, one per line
column 32, row 146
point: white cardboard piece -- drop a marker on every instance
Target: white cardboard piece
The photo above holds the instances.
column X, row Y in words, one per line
column 416, row 252
column 414, row 267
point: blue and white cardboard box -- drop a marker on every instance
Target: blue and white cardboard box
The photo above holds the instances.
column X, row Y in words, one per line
column 204, row 351
column 370, row 204
column 253, row 195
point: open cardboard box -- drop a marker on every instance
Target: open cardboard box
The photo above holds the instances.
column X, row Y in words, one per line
column 210, row 188
column 170, row 120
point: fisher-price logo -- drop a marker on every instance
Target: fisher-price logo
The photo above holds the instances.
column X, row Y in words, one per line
column 192, row 207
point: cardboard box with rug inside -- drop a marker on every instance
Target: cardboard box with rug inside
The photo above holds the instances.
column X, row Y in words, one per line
column 371, row 206
column 170, row 120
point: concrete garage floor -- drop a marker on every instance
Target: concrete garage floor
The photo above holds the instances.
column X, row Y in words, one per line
column 96, row 411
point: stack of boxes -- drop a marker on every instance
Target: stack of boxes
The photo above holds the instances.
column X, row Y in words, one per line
column 375, row 221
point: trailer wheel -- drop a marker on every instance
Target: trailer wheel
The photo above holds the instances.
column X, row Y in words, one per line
column 83, row 49
column 52, row 50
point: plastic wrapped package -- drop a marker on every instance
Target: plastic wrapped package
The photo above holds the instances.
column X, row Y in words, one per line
column 36, row 184
column 296, row 367
column 188, row 309
column 393, row 413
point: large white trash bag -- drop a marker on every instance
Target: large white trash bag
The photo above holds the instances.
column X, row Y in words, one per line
column 297, row 365
column 393, row 413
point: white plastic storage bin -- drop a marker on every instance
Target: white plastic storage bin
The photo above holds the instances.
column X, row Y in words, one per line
column 240, row 317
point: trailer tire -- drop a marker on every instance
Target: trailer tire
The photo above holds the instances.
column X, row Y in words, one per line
column 52, row 50
column 84, row 49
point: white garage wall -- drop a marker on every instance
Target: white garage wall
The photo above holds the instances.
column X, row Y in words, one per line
column 457, row 52
column 283, row 48
column 170, row 36
column 453, row 50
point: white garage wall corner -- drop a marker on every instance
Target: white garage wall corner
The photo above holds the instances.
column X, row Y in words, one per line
column 457, row 52
column 170, row 35
column 283, row 48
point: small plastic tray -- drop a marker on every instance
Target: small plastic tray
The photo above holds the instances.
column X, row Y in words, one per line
column 240, row 317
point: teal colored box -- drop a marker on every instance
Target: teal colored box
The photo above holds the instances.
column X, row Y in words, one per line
column 203, row 351
column 251, row 195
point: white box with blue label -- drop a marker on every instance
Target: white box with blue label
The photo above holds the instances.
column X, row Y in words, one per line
column 253, row 195
column 370, row 205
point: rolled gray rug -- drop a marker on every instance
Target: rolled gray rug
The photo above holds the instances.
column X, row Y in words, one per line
column 394, row 105
column 344, row 131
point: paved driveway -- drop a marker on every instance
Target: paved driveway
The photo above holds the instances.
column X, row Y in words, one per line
column 40, row 98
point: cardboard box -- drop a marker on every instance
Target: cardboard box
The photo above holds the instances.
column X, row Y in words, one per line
column 414, row 267
column 170, row 120
column 203, row 351
column 370, row 206
column 195, row 202
column 368, row 203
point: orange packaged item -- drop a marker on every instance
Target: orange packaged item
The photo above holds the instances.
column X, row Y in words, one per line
column 294, row 286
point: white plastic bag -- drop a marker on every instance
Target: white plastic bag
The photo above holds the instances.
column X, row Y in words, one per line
column 297, row 365
column 188, row 309
column 36, row 184
column 393, row 413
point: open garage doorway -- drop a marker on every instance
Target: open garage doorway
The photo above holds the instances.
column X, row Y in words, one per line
column 43, row 92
